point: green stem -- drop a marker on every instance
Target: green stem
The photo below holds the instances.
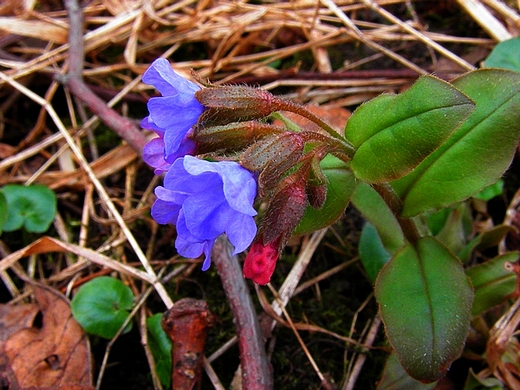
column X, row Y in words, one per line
column 285, row 105
column 408, row 226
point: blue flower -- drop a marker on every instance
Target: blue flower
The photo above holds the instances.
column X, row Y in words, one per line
column 154, row 150
column 173, row 114
column 204, row 200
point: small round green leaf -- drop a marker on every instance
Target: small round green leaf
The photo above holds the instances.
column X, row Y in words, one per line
column 31, row 207
column 425, row 300
column 341, row 184
column 102, row 305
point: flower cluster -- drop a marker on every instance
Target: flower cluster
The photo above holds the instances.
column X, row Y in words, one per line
column 246, row 158
column 202, row 199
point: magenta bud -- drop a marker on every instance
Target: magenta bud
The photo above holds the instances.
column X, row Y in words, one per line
column 260, row 261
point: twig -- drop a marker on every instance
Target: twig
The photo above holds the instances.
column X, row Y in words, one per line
column 124, row 127
column 186, row 324
column 369, row 340
column 256, row 372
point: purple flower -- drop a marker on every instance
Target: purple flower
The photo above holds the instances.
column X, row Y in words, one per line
column 204, row 200
column 173, row 114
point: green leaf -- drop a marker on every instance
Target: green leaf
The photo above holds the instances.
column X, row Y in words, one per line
column 102, row 305
column 341, row 184
column 491, row 191
column 161, row 347
column 473, row 382
column 32, row 207
column 393, row 134
column 3, row 211
column 454, row 233
column 376, row 211
column 479, row 151
column 425, row 301
column 395, row 378
column 505, row 55
column 372, row 252
column 492, row 282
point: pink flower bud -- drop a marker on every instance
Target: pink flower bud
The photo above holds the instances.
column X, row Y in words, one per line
column 260, row 262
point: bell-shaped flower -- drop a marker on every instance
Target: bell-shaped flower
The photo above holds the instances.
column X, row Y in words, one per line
column 205, row 200
column 173, row 114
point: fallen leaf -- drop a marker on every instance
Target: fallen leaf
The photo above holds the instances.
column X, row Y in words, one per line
column 52, row 354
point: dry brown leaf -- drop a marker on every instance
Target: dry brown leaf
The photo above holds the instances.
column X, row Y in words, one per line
column 55, row 354
column 15, row 318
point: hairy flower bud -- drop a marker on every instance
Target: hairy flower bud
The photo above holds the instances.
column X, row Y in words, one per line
column 232, row 103
column 317, row 195
column 232, row 136
column 286, row 209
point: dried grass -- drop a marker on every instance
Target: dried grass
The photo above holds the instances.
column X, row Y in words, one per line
column 333, row 53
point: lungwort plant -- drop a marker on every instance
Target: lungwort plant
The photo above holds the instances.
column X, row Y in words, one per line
column 400, row 157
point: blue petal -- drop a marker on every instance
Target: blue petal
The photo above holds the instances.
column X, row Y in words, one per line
column 239, row 184
column 170, row 111
column 239, row 187
column 208, row 247
column 165, row 212
column 165, row 80
column 207, row 214
column 241, row 232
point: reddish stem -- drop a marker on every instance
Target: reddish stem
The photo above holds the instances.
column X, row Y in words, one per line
column 124, row 127
column 256, row 371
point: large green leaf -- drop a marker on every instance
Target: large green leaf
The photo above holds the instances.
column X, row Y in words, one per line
column 492, row 282
column 393, row 134
column 479, row 151
column 425, row 301
column 341, row 184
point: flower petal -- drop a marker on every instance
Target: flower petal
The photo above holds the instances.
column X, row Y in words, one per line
column 163, row 212
column 241, row 231
column 165, row 80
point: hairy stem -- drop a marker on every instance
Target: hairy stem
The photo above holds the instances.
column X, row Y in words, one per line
column 286, row 105
column 124, row 127
column 256, row 372
column 392, row 200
